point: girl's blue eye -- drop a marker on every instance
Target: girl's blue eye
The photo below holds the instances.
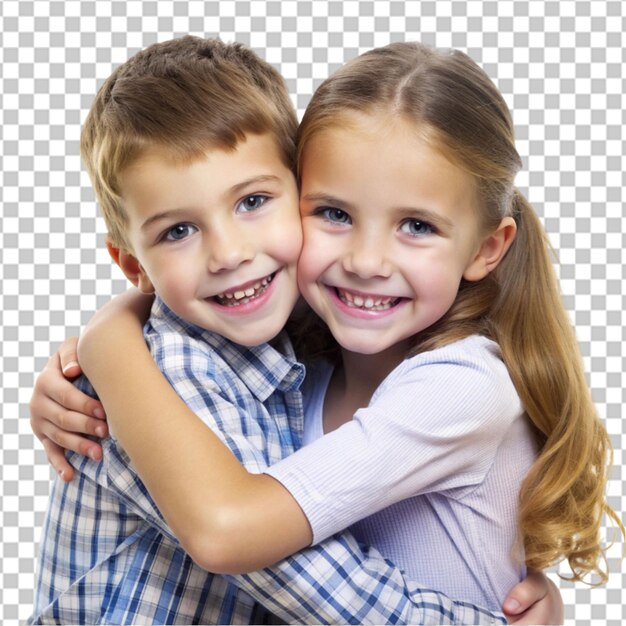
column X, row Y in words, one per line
column 337, row 216
column 251, row 203
column 416, row 228
column 179, row 231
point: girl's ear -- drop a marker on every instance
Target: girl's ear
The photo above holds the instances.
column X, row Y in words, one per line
column 492, row 250
column 131, row 267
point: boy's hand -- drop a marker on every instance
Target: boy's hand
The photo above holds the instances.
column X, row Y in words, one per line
column 60, row 413
column 536, row 600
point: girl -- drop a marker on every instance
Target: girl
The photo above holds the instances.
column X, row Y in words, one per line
column 432, row 273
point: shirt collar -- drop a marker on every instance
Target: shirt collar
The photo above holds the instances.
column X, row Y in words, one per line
column 263, row 369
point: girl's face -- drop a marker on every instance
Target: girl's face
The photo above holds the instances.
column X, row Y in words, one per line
column 390, row 228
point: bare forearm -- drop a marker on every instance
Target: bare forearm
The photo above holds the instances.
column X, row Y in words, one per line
column 228, row 519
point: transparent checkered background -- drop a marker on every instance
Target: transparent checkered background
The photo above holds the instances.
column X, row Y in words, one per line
column 560, row 66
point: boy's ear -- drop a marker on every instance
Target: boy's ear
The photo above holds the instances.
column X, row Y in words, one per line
column 131, row 267
column 492, row 250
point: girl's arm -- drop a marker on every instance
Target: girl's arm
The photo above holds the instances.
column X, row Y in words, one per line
column 343, row 570
column 534, row 600
column 227, row 519
column 230, row 520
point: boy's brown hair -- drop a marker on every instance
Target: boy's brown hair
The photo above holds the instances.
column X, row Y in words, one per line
column 186, row 96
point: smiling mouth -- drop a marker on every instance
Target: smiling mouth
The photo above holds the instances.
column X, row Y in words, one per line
column 237, row 297
column 366, row 302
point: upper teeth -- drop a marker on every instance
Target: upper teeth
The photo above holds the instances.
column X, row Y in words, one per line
column 366, row 302
column 247, row 292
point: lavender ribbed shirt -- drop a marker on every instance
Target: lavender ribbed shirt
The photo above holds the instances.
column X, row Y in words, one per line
column 429, row 473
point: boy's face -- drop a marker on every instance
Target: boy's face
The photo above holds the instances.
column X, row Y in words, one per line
column 217, row 239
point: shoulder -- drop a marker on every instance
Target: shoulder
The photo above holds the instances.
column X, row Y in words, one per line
column 466, row 381
column 193, row 366
column 176, row 347
column 470, row 359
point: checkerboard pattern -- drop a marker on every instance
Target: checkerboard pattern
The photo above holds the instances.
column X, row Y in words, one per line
column 559, row 64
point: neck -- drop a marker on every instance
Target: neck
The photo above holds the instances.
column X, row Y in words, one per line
column 365, row 372
column 355, row 381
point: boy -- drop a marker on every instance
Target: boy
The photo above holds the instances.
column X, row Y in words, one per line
column 190, row 147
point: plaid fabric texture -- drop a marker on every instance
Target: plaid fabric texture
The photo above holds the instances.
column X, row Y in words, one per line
column 107, row 555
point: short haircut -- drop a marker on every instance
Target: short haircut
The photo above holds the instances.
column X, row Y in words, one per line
column 185, row 96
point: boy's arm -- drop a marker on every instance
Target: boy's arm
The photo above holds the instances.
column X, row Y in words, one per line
column 340, row 581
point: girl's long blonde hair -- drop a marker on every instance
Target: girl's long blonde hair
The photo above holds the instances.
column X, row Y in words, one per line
column 448, row 96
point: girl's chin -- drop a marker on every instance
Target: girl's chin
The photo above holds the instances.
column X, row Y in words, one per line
column 361, row 344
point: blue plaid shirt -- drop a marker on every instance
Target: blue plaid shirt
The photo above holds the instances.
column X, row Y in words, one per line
column 108, row 557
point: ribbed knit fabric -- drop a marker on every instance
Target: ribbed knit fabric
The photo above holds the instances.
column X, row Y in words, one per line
column 432, row 468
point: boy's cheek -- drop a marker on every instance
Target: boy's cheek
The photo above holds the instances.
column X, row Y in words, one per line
column 306, row 271
column 292, row 241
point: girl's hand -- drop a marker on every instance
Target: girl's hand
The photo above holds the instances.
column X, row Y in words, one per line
column 536, row 600
column 60, row 413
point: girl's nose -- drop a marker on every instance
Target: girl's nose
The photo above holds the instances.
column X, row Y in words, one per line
column 367, row 258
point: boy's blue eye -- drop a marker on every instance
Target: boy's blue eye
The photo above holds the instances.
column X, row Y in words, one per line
column 179, row 231
column 251, row 203
column 416, row 228
column 337, row 216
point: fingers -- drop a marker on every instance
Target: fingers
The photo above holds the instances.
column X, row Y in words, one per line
column 56, row 441
column 52, row 386
column 76, row 443
column 59, row 423
column 61, row 415
column 56, row 454
column 68, row 357
column 56, row 458
column 532, row 589
column 69, row 437
column 72, row 399
column 536, row 600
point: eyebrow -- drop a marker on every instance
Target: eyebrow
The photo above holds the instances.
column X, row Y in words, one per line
column 164, row 215
column 322, row 198
column 400, row 212
column 255, row 180
column 234, row 190
column 426, row 215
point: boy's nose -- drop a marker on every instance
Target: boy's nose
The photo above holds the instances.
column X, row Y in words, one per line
column 227, row 250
